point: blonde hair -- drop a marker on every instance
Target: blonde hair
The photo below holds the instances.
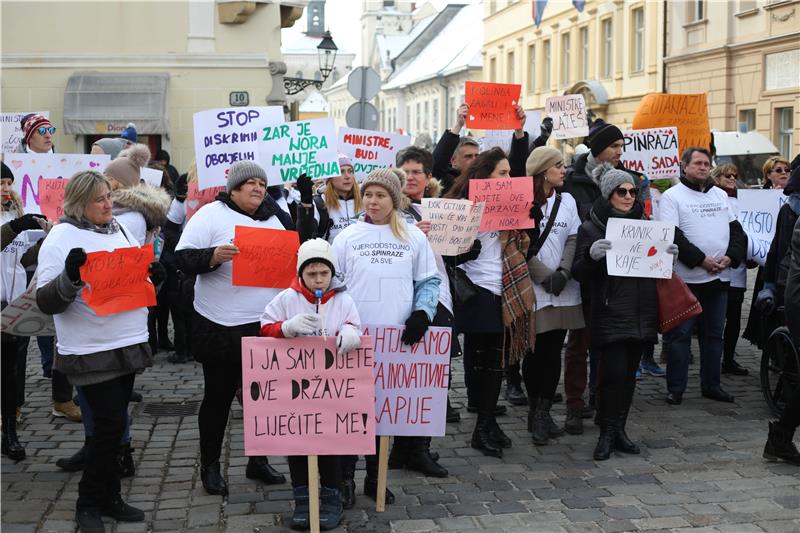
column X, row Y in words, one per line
column 191, row 175
column 717, row 172
column 80, row 191
column 398, row 225
column 770, row 163
column 332, row 197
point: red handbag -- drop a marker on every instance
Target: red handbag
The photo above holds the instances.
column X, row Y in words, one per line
column 676, row 303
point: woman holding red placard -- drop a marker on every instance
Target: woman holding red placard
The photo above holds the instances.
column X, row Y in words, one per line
column 99, row 353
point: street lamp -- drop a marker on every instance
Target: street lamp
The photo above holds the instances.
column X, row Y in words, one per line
column 326, row 50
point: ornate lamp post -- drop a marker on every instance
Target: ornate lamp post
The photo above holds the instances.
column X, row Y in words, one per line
column 326, row 50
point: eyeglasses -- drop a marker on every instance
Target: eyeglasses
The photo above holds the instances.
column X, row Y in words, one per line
column 781, row 170
column 42, row 130
column 622, row 192
column 734, row 176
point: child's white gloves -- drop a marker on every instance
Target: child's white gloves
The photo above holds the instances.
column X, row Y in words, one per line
column 348, row 339
column 302, row 324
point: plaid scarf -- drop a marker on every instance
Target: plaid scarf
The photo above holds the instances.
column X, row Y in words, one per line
column 518, row 298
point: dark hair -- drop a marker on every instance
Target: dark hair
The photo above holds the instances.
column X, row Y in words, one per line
column 162, row 155
column 481, row 168
column 686, row 158
column 415, row 153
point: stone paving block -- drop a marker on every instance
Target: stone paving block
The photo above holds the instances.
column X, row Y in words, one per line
column 624, row 512
column 413, row 526
column 667, row 522
column 427, row 511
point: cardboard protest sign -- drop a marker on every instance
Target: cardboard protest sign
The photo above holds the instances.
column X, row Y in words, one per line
column 295, row 148
column 196, row 199
column 51, row 197
column 454, row 224
column 301, row 397
column 688, row 112
column 508, row 202
column 569, row 116
column 653, row 152
column 266, row 258
column 152, row 176
column 491, row 105
column 758, row 215
column 28, row 169
column 639, row 248
column 24, row 318
column 118, row 281
column 369, row 150
column 11, row 129
column 226, row 135
column 410, row 381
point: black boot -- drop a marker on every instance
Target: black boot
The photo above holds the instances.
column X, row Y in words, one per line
column 89, row 521
column 348, row 481
column 258, row 468
column 371, row 483
column 398, row 457
column 127, row 468
column 621, row 441
column 500, row 439
column 453, row 415
column 420, row 460
column 481, row 437
column 532, row 402
column 490, row 378
column 77, row 461
column 121, row 511
column 212, row 479
column 330, row 508
column 605, row 443
column 300, row 517
column 544, row 428
column 11, row 447
column 780, row 446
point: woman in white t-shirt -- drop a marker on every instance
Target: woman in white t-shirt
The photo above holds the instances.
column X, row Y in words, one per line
column 390, row 272
column 101, row 354
column 338, row 201
column 558, row 296
column 495, row 309
column 225, row 312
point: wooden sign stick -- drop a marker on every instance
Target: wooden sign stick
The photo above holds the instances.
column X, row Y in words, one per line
column 383, row 471
column 313, row 493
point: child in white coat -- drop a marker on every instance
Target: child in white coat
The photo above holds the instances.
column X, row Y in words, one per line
column 315, row 304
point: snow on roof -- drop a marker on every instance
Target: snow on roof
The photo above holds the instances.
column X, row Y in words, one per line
column 456, row 48
column 394, row 44
column 303, row 44
column 314, row 103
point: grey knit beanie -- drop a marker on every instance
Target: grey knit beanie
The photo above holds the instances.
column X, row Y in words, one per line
column 241, row 171
column 391, row 179
column 541, row 159
column 110, row 146
column 610, row 178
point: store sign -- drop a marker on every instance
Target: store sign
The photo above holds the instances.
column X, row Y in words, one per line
column 109, row 128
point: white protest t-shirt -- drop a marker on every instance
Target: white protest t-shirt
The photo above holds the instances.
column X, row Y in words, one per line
column 705, row 220
column 567, row 223
column 79, row 329
column 342, row 217
column 334, row 313
column 177, row 212
column 380, row 270
column 736, row 276
column 487, row 270
column 445, row 298
column 13, row 275
column 135, row 225
column 215, row 297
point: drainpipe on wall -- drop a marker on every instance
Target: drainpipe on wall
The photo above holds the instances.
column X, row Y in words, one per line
column 446, row 105
column 665, row 49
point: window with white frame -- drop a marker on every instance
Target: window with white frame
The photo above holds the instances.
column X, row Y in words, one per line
column 785, row 122
column 546, row 65
column 697, row 10
column 637, row 19
column 531, row 64
column 584, row 38
column 565, row 59
column 607, row 31
column 747, row 117
column 510, row 67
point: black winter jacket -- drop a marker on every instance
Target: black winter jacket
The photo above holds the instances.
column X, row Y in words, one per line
column 777, row 264
column 622, row 309
column 792, row 294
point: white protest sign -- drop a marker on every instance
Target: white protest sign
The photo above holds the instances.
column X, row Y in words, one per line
column 369, row 150
column 502, row 138
column 653, row 152
column 639, row 248
column 24, row 318
column 569, row 116
column 11, row 130
column 758, row 215
column 224, row 136
column 29, row 168
column 304, row 147
column 410, row 381
column 152, row 176
column 454, row 224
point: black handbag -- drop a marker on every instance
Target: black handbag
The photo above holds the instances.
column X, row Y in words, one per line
column 461, row 287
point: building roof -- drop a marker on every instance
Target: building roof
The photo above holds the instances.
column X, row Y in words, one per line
column 390, row 46
column 314, row 103
column 456, row 48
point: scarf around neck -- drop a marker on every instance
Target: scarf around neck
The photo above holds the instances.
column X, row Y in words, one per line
column 517, row 296
column 81, row 223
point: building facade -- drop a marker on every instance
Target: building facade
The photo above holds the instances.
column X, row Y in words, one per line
column 101, row 65
column 746, row 56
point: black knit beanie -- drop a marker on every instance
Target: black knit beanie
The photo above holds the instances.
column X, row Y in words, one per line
column 7, row 172
column 603, row 136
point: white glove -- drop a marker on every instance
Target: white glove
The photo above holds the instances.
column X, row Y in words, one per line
column 599, row 249
column 302, row 324
column 348, row 339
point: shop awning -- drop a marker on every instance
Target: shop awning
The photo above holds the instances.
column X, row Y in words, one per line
column 103, row 103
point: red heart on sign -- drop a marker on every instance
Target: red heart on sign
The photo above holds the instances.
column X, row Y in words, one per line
column 652, row 251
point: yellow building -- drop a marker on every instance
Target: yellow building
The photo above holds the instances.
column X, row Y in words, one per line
column 611, row 52
column 746, row 56
column 95, row 66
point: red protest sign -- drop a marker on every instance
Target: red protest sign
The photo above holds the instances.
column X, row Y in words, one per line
column 118, row 281
column 266, row 258
column 51, row 197
column 195, row 199
column 301, row 397
column 491, row 105
column 508, row 202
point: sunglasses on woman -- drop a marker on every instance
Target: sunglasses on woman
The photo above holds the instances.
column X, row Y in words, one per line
column 730, row 176
column 42, row 130
column 622, row 192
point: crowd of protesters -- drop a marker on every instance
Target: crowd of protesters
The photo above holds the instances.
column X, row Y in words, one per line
column 513, row 298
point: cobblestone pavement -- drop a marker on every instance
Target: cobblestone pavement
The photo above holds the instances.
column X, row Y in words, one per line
column 700, row 467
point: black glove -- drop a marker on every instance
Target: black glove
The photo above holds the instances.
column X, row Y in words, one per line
column 546, row 128
column 470, row 255
column 416, row 326
column 25, row 222
column 73, row 263
column 181, row 189
column 157, row 273
column 555, row 282
column 306, row 188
